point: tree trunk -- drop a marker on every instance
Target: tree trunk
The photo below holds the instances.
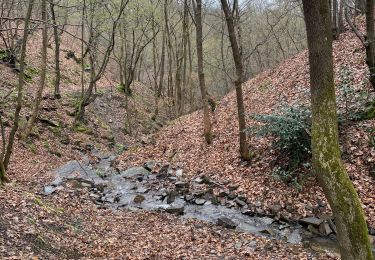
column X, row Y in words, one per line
column 199, row 40
column 335, row 25
column 341, row 17
column 57, row 52
column 21, row 83
column 370, row 40
column 39, row 94
column 339, row 190
column 237, row 56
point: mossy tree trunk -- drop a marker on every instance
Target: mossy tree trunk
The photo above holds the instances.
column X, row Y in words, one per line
column 202, row 83
column 339, row 190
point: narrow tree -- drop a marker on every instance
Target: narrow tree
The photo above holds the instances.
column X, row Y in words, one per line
column 370, row 40
column 202, row 84
column 339, row 190
column 39, row 94
column 57, row 51
column 237, row 56
column 7, row 153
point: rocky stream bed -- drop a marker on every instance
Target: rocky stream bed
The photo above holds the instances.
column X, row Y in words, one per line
column 143, row 188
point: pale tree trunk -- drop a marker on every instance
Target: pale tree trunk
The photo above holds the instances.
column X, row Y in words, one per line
column 237, row 56
column 335, row 25
column 202, row 84
column 339, row 190
column 341, row 17
column 21, row 83
column 42, row 83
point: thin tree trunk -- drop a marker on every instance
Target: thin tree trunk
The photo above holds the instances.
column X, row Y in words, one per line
column 202, row 84
column 339, row 190
column 21, row 83
column 370, row 40
column 56, row 36
column 237, row 56
column 39, row 94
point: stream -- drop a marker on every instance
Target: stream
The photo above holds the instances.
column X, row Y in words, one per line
column 139, row 188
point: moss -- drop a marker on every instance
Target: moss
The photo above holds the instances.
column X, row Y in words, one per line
column 369, row 113
column 82, row 129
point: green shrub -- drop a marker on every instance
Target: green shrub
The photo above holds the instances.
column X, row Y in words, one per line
column 291, row 131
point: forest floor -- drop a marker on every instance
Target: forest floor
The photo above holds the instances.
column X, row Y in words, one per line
column 68, row 225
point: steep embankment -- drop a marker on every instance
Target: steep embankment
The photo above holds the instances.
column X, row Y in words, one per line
column 182, row 143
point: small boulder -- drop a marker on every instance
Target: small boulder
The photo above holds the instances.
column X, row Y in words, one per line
column 179, row 173
column 139, row 199
column 177, row 210
column 181, row 185
column 200, row 202
column 226, row 222
column 311, row 221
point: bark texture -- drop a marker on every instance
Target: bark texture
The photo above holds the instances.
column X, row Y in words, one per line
column 338, row 188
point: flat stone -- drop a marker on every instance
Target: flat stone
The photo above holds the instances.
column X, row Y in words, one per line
column 226, row 222
column 311, row 221
column 142, row 189
column 189, row 198
column 200, row 202
column 266, row 220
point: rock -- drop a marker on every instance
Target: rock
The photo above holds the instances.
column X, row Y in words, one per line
column 311, row 221
column 226, row 222
column 294, row 237
column 266, row 231
column 177, row 210
column 149, row 165
column 266, row 220
column 240, row 203
column 325, row 229
column 258, row 204
column 232, row 196
column 48, row 190
column 198, row 180
column 172, row 178
column 171, row 197
column 135, row 172
column 275, row 209
column 189, row 198
column 139, row 199
column 233, row 187
column 179, row 173
column 223, row 194
column 181, row 185
column 200, row 202
column 313, row 229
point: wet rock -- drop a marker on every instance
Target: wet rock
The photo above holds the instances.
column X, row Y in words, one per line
column 200, row 202
column 48, row 190
column 311, row 221
column 149, row 165
column 139, row 199
column 226, row 222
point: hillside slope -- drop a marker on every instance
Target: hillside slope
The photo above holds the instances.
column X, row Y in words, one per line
column 182, row 144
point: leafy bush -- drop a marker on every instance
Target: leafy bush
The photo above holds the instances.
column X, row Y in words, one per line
column 291, row 131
